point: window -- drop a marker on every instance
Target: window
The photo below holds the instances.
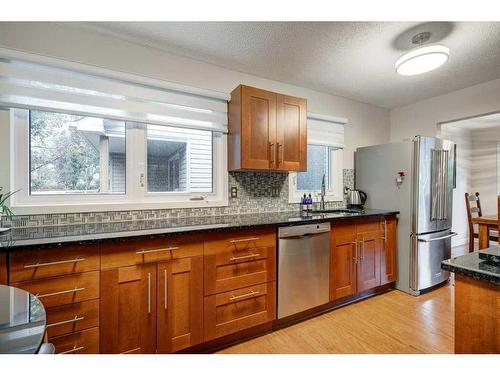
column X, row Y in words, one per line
column 321, row 161
column 107, row 163
column 179, row 160
column 75, row 154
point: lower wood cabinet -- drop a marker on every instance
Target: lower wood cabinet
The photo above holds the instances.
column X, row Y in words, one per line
column 83, row 342
column 149, row 308
column 3, row 268
column 180, row 304
column 128, row 309
column 230, row 312
column 362, row 255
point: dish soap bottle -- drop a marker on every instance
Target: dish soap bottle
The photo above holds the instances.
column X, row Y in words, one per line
column 303, row 203
column 309, row 203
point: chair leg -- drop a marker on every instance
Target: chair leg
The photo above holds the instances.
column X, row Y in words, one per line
column 471, row 242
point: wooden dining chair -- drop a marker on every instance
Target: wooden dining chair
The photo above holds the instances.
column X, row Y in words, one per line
column 471, row 211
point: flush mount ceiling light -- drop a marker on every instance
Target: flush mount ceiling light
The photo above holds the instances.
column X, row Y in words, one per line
column 422, row 59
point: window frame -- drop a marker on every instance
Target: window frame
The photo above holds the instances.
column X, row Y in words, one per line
column 136, row 196
column 336, row 191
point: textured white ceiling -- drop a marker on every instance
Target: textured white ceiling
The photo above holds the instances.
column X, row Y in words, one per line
column 351, row 59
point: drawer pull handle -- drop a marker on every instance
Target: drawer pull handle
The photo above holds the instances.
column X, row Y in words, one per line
column 36, row 265
column 245, row 240
column 156, row 250
column 74, row 350
column 74, row 290
column 74, row 320
column 149, row 293
column 251, row 294
column 232, row 259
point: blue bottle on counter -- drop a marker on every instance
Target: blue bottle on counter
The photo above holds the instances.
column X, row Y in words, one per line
column 309, row 203
column 303, row 203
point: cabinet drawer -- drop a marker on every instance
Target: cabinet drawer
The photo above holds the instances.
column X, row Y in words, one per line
column 240, row 241
column 368, row 225
column 74, row 317
column 41, row 263
column 65, row 289
column 133, row 252
column 83, row 342
column 237, row 268
column 230, row 312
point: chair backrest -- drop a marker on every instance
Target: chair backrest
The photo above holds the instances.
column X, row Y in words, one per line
column 472, row 209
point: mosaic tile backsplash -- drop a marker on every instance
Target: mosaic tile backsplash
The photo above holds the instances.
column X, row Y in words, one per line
column 257, row 193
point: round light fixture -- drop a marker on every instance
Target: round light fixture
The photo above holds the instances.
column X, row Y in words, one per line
column 423, row 58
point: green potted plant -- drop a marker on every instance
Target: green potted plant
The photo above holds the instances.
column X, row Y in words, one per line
column 5, row 210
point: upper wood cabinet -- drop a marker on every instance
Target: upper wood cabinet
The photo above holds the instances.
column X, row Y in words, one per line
column 267, row 131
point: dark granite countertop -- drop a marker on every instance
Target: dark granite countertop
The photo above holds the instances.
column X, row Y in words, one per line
column 30, row 236
column 22, row 321
column 471, row 265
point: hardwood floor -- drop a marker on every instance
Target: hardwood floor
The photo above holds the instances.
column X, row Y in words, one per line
column 393, row 322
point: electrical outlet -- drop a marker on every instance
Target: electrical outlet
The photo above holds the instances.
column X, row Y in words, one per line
column 274, row 191
column 234, row 192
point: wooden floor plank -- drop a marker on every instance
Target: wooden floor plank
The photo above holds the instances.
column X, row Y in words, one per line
column 393, row 322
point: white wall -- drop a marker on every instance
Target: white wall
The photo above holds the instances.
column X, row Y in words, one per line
column 421, row 118
column 462, row 138
column 484, row 167
column 367, row 124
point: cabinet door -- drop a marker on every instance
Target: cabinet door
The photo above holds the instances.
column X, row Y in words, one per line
column 291, row 133
column 369, row 249
column 128, row 309
column 343, row 260
column 258, row 129
column 180, row 304
column 3, row 268
column 388, row 258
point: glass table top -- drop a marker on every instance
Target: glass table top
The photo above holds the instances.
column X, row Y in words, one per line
column 22, row 321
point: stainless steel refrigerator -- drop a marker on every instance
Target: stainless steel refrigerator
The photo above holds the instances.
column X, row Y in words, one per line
column 416, row 178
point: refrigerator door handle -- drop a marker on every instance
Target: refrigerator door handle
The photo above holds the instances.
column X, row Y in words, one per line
column 452, row 234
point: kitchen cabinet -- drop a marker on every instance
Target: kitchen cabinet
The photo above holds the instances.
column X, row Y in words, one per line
column 267, row 131
column 389, row 261
column 67, row 281
column 368, row 257
column 128, row 309
column 362, row 255
column 3, row 268
column 343, row 250
column 180, row 304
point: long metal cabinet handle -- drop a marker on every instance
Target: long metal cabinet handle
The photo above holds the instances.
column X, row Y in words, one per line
column 362, row 250
column 245, row 240
column 54, row 263
column 156, row 250
column 385, row 231
column 74, row 320
column 74, row 290
column 149, row 293
column 232, row 259
column 355, row 258
column 75, row 349
column 251, row 294
column 166, row 288
column 452, row 234
column 281, row 153
column 271, row 151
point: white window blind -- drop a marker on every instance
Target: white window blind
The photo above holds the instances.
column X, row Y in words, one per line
column 325, row 130
column 36, row 82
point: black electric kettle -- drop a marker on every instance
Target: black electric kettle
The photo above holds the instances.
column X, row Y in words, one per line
column 356, row 198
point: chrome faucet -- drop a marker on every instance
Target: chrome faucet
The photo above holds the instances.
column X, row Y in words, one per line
column 323, row 193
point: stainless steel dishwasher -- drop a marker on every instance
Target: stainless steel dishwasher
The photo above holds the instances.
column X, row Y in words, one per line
column 303, row 267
